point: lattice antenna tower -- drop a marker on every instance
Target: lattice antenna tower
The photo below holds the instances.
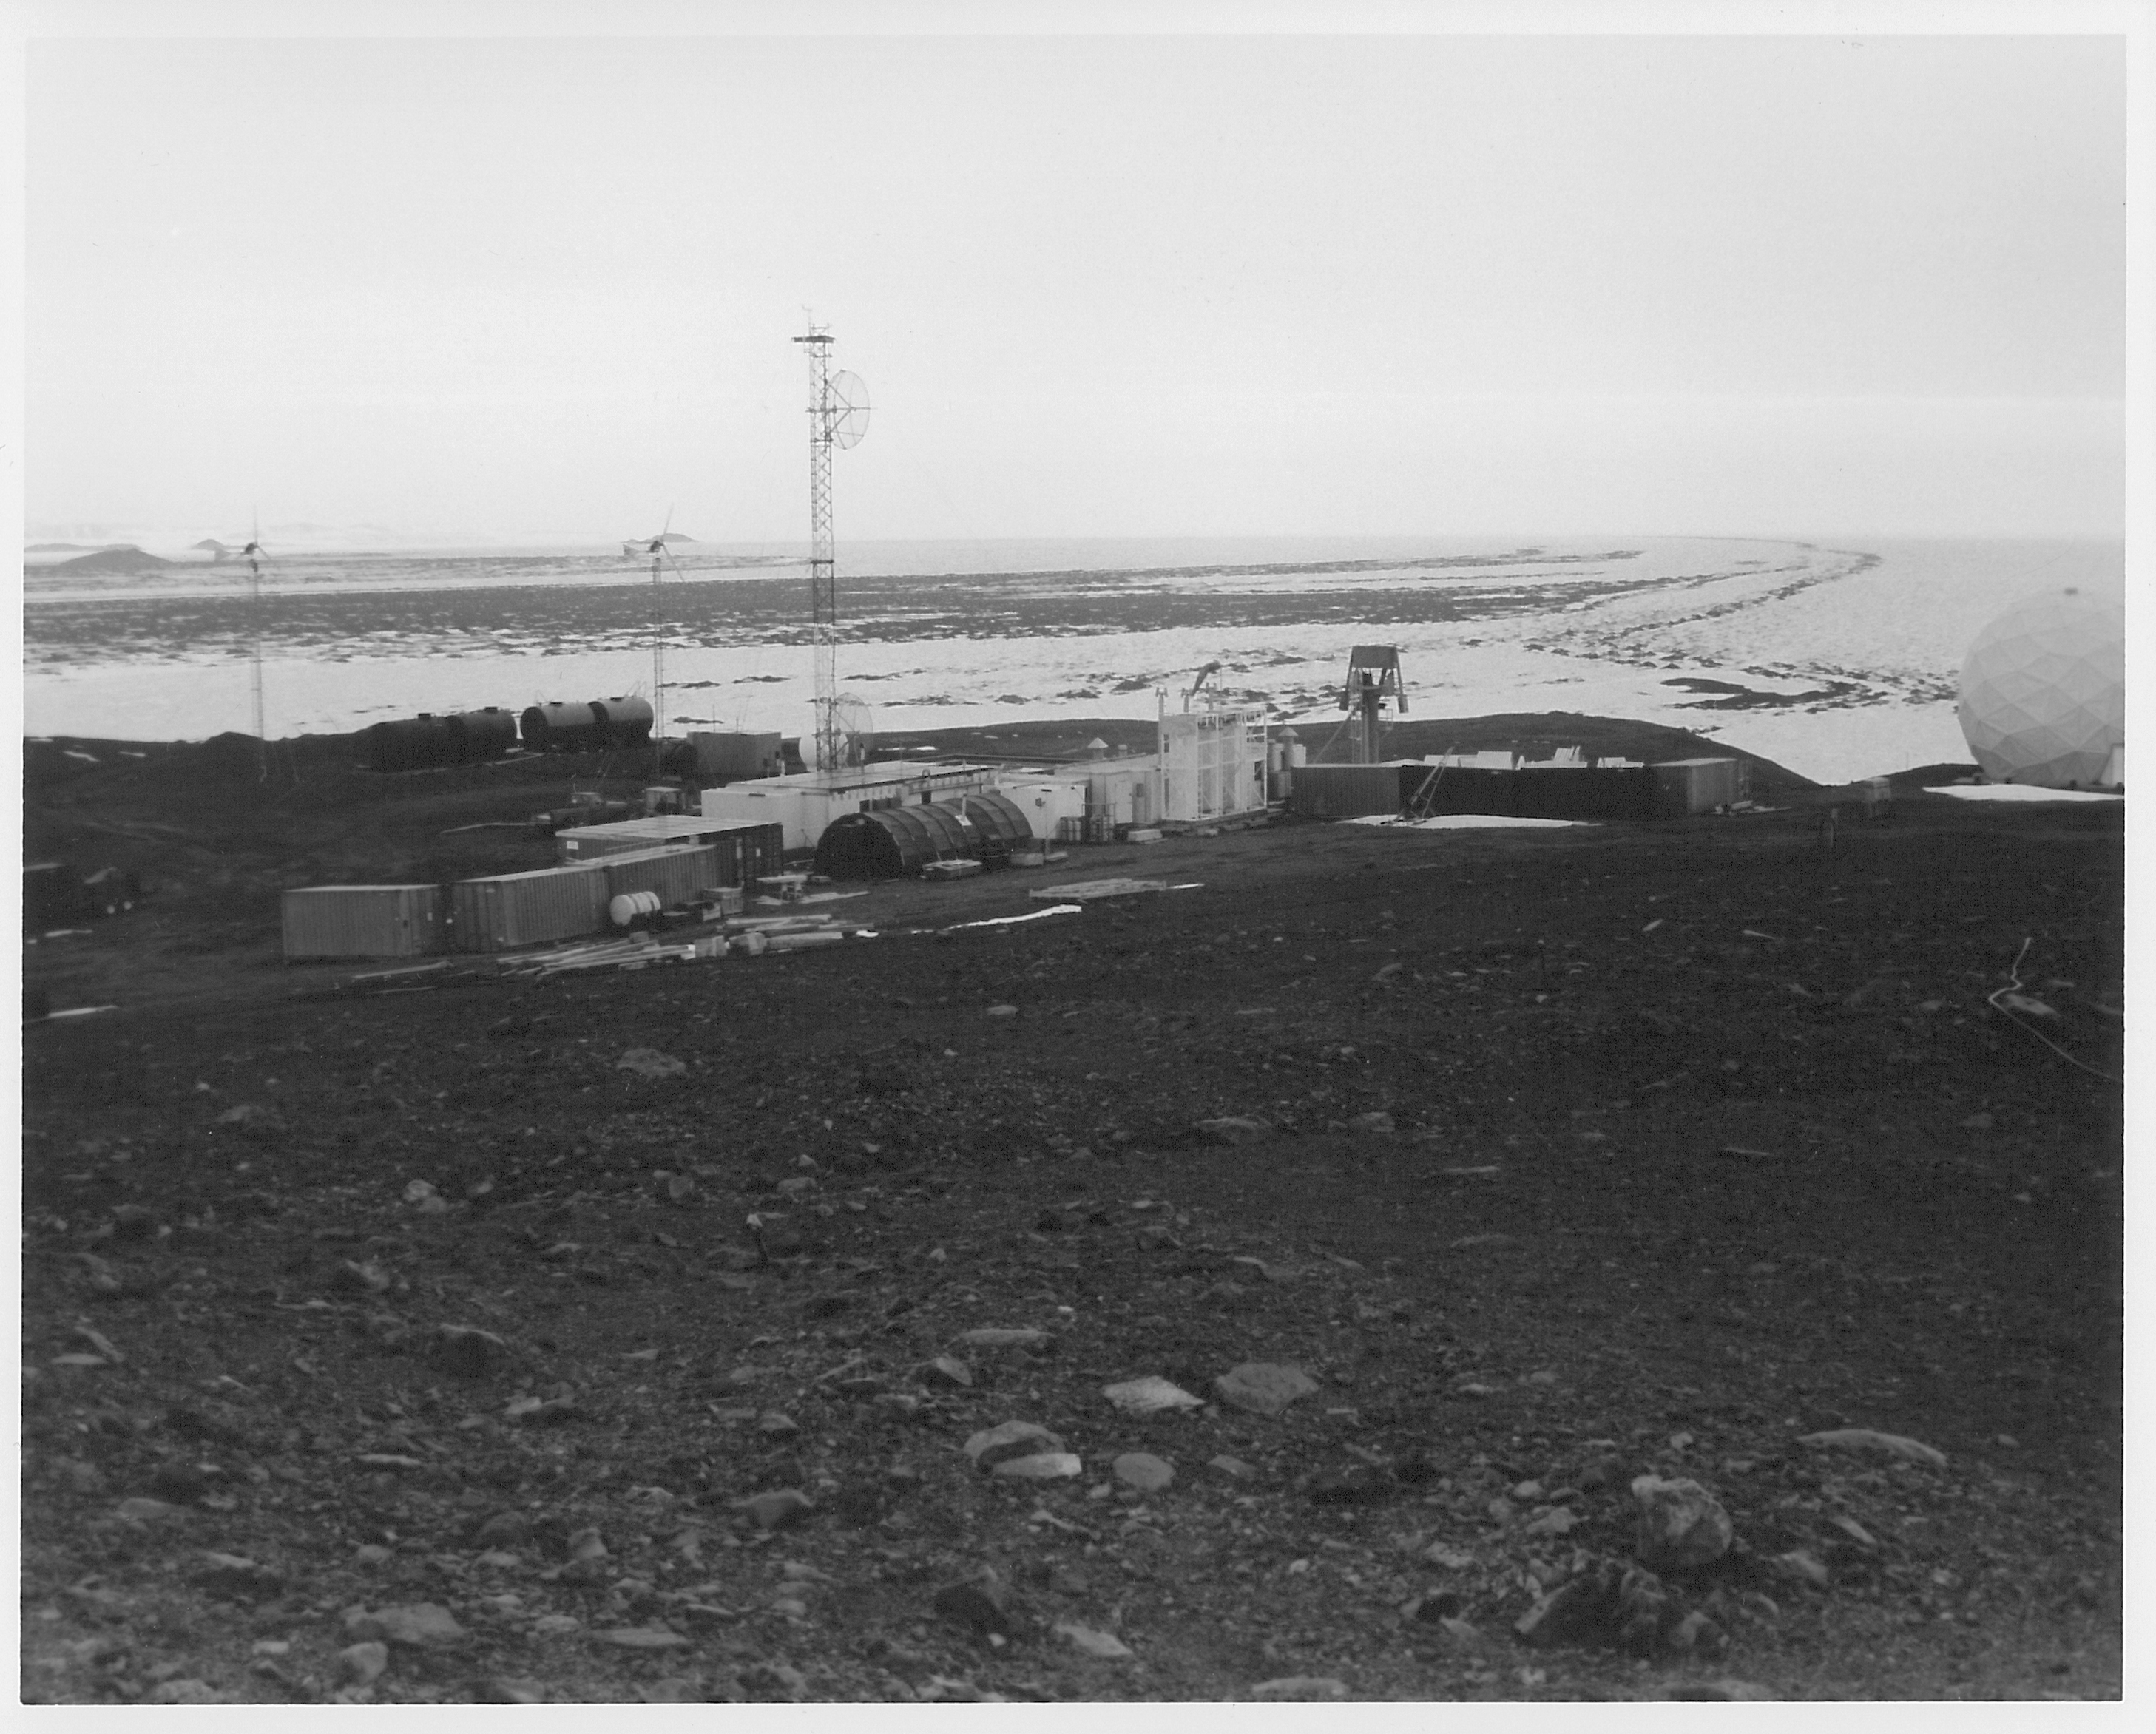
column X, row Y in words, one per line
column 838, row 416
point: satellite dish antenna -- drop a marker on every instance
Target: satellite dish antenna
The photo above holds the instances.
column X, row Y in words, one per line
column 847, row 410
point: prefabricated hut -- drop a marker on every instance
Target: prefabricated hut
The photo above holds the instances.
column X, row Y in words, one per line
column 1213, row 762
column 806, row 805
column 898, row 842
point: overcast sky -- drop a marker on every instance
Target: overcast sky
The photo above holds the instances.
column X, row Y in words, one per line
column 1104, row 285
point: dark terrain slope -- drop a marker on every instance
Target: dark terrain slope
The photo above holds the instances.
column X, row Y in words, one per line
column 1697, row 1141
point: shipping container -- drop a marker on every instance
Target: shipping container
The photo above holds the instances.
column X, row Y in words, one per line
column 1579, row 792
column 365, row 922
column 521, row 909
column 1683, row 787
column 676, row 875
column 1355, row 791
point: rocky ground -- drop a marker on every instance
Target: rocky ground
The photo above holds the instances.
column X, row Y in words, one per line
column 1622, row 1263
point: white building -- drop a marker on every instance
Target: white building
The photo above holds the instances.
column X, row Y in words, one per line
column 809, row 802
column 1212, row 762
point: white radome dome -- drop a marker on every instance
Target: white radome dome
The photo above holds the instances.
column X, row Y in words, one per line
column 2043, row 692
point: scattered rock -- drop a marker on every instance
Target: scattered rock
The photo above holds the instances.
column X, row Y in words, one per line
column 773, row 1682
column 182, row 1483
column 367, row 1278
column 947, row 1370
column 1149, row 1396
column 1235, row 1129
column 1010, row 1439
column 778, row 1509
column 1372, row 1122
column 650, row 1063
column 500, row 1689
column 1264, row 1387
column 1468, row 1243
column 642, row 1638
column 1104, row 1644
column 1608, row 1601
column 1144, row 1471
column 149, row 1510
column 1557, row 1521
column 1301, row 1685
column 1041, row 1466
column 181, row 1692
column 1234, row 1468
column 1862, row 1438
column 1722, row 1692
column 466, row 1352
column 540, row 1410
column 1352, row 1484
column 992, row 1338
column 503, row 1529
column 981, row 1604
column 363, row 1664
column 1003, row 1011
column 1682, row 1526
column 1800, row 1567
column 422, row 1625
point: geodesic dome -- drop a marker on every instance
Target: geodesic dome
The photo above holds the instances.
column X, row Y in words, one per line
column 2043, row 693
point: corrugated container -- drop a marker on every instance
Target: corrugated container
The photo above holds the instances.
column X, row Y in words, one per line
column 365, row 922
column 1700, row 785
column 523, row 909
column 674, row 874
column 1354, row 791
column 738, row 756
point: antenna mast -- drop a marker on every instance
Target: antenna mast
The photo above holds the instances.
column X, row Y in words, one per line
column 838, row 416
column 256, row 553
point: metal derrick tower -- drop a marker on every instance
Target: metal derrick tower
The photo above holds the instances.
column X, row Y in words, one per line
column 838, row 416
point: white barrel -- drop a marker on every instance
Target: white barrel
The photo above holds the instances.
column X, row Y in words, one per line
column 630, row 904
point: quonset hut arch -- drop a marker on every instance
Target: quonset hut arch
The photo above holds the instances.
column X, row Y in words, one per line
column 898, row 842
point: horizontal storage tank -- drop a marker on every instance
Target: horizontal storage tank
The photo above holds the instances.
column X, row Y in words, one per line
column 625, row 720
column 556, row 727
column 509, row 909
column 1354, row 791
column 1684, row 787
column 365, row 922
column 477, row 735
column 412, row 743
column 676, row 875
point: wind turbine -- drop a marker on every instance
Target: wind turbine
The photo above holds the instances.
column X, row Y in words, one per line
column 662, row 556
column 254, row 554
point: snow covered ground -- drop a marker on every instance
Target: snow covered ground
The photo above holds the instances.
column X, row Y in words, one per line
column 1838, row 661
